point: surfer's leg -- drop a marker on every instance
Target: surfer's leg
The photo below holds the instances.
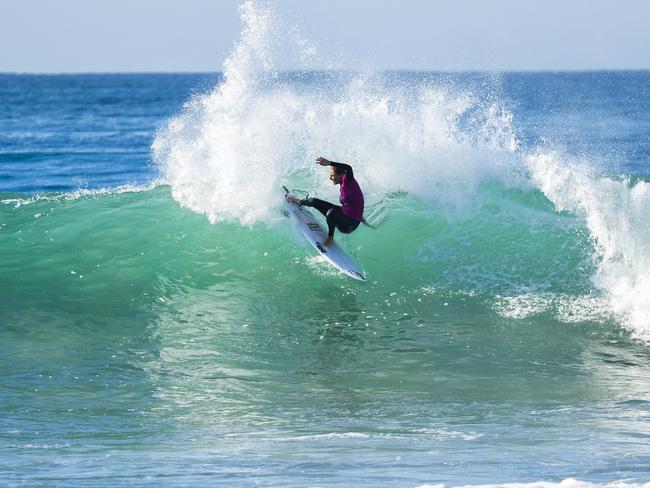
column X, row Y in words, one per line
column 344, row 224
column 336, row 219
column 321, row 205
column 332, row 217
column 348, row 226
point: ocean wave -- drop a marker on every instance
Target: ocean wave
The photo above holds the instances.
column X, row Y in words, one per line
column 441, row 144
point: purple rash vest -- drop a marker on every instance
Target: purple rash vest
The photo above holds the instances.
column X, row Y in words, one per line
column 351, row 198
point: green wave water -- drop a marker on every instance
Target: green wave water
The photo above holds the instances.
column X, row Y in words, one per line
column 132, row 248
column 223, row 349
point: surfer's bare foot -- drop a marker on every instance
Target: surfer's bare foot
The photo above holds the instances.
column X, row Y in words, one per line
column 328, row 241
column 292, row 199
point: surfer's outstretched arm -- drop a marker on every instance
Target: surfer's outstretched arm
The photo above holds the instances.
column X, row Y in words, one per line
column 340, row 167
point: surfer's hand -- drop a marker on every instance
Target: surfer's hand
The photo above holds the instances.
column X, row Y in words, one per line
column 328, row 241
column 322, row 161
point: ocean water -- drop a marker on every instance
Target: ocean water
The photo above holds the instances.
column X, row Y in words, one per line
column 162, row 323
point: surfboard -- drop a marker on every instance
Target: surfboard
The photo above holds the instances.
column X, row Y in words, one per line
column 316, row 234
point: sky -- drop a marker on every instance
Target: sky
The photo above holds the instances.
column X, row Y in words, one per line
column 62, row 36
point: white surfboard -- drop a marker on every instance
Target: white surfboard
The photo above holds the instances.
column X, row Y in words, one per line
column 316, row 234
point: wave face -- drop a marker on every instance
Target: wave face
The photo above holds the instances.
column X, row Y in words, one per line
column 131, row 323
column 167, row 323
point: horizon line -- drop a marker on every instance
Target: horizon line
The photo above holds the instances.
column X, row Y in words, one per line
column 387, row 70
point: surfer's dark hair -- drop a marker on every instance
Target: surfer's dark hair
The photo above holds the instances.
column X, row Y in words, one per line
column 341, row 169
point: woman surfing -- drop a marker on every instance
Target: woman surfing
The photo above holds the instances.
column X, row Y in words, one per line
column 347, row 216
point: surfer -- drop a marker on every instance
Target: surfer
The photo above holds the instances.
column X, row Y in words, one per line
column 347, row 216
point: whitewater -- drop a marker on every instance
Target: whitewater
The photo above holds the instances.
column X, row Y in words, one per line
column 162, row 322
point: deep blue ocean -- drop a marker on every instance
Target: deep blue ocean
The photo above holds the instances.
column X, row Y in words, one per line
column 163, row 324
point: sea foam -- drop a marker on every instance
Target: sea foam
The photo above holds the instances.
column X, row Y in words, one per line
column 229, row 151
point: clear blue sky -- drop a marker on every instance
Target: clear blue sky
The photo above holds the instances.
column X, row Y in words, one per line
column 197, row 35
